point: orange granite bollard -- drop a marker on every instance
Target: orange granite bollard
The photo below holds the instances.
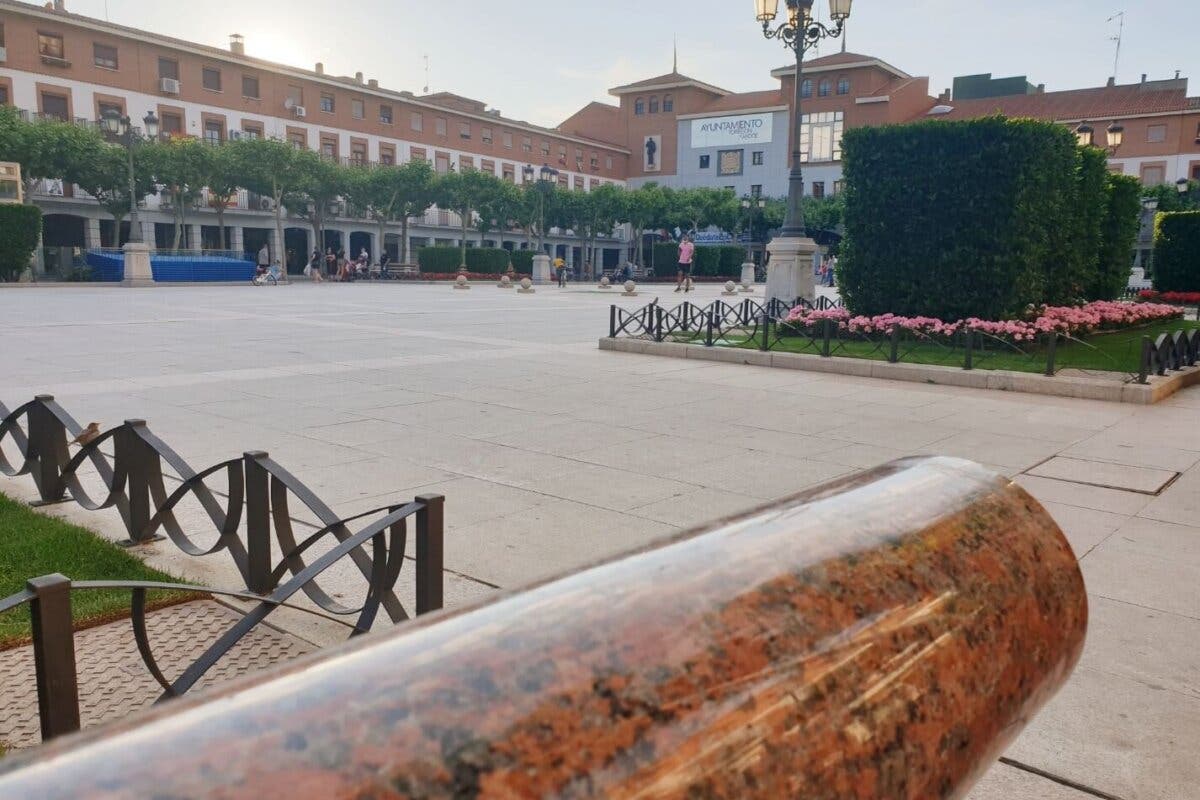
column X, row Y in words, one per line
column 885, row 636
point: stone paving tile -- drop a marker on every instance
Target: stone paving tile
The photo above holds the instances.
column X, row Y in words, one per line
column 114, row 682
column 1105, row 474
column 1003, row 782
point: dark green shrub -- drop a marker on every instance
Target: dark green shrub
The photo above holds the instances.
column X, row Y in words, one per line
column 522, row 261
column 1073, row 266
column 666, row 258
column 20, row 228
column 1177, row 252
column 710, row 261
column 487, row 260
column 1118, row 233
column 954, row 219
column 439, row 259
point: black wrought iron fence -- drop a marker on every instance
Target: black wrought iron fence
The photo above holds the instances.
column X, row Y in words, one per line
column 1169, row 352
column 253, row 523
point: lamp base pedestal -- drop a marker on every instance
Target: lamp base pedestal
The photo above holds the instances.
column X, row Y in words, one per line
column 790, row 270
column 541, row 269
column 137, row 265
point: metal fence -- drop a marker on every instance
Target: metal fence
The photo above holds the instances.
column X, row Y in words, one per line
column 764, row 326
column 252, row 523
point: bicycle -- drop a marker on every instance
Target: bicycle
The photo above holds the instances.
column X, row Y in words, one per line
column 268, row 277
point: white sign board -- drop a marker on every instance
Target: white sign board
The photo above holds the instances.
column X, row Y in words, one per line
column 747, row 129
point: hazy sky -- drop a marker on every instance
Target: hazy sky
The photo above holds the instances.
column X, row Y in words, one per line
column 540, row 60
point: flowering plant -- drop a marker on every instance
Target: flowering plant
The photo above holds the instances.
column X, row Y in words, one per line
column 1070, row 320
column 1177, row 298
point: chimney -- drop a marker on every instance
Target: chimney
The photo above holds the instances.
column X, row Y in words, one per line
column 60, row 6
column 944, row 97
column 358, row 78
column 1111, row 82
column 320, row 70
column 1041, row 88
column 237, row 44
column 374, row 84
column 1143, row 77
column 1176, row 74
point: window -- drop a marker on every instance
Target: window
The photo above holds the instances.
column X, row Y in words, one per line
column 639, row 106
column 1195, row 167
column 417, row 154
column 705, row 162
column 387, row 155
column 806, row 89
column 439, row 125
column 3, row 95
column 595, row 161
column 357, row 109
column 251, row 131
column 508, row 140
column 464, row 130
column 821, row 136
column 1154, row 176
column 210, row 79
column 441, row 163
column 823, row 88
column 818, row 190
column 578, row 183
column 250, row 86
column 297, row 139
column 295, row 96
column 1156, row 134
column 168, row 68
column 385, row 114
column 654, row 104
column 545, row 148
column 527, row 144
column 488, row 166
column 485, row 135
column 843, row 86
column 756, row 190
column 50, row 45
column 466, row 163
column 104, row 55
column 608, row 162
column 837, row 186
column 416, row 121
column 106, row 108
column 54, row 105
column 509, row 172
column 328, row 147
column 668, row 103
column 729, row 162
column 756, row 158
column 562, row 153
column 358, row 153
column 327, row 102
column 172, row 123
column 213, row 132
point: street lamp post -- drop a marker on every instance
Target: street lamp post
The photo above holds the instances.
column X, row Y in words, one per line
column 547, row 177
column 751, row 205
column 138, row 271
column 790, row 271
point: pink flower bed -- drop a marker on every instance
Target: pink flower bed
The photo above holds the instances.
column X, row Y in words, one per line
column 1179, row 298
column 1071, row 320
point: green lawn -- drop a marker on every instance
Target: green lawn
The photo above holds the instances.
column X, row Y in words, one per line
column 1117, row 351
column 32, row 545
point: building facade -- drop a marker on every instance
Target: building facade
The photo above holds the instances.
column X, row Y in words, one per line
column 62, row 65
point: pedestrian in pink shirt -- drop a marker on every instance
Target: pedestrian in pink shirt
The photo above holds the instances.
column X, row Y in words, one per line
column 687, row 252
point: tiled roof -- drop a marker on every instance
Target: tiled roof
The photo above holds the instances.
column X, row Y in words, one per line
column 737, row 102
column 837, row 60
column 669, row 79
column 1103, row 102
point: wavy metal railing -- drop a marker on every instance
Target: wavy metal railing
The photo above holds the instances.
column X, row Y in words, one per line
column 1171, row 351
column 259, row 495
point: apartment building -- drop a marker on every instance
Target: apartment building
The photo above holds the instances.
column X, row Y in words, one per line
column 58, row 64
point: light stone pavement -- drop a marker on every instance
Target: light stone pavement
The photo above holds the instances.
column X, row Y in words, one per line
column 553, row 454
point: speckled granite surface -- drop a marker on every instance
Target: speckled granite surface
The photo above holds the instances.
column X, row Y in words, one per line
column 881, row 637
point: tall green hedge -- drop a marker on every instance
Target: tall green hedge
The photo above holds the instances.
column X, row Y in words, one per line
column 487, row 260
column 1177, row 252
column 1118, row 234
column 20, row 227
column 710, row 261
column 522, row 261
column 957, row 219
column 1072, row 268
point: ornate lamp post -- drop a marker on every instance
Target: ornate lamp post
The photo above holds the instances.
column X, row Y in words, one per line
column 790, row 274
column 138, row 271
column 547, row 178
column 751, row 205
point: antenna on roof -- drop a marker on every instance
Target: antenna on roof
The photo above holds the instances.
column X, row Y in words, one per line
column 426, row 74
column 1120, row 18
column 675, row 62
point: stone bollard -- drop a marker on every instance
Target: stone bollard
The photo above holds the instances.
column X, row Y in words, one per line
column 605, row 283
column 886, row 635
column 461, row 282
column 526, row 286
column 505, row 282
column 630, row 289
column 730, row 289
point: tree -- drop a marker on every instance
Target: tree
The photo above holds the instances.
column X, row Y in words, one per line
column 180, row 167
column 268, row 167
column 463, row 193
column 389, row 193
column 47, row 148
column 319, row 183
column 500, row 210
column 646, row 206
column 107, row 180
column 222, row 175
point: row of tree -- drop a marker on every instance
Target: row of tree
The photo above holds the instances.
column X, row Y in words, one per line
column 189, row 173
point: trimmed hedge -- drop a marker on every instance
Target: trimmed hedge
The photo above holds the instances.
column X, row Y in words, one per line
column 957, row 219
column 1073, row 267
column 1177, row 252
column 710, row 261
column 20, row 228
column 481, row 260
column 522, row 261
column 1118, row 234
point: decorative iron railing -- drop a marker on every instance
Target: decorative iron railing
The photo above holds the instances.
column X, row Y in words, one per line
column 774, row 655
column 253, row 524
column 750, row 324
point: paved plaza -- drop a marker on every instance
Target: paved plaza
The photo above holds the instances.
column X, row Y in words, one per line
column 552, row 454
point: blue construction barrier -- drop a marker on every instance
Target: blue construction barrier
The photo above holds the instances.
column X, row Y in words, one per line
column 109, row 266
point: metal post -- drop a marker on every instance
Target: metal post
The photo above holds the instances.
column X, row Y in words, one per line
column 894, row 350
column 1144, row 370
column 825, row 335
column 135, row 222
column 54, row 655
column 1052, row 351
column 969, row 358
column 430, row 557
column 658, row 323
column 612, row 322
column 258, row 523
column 766, row 326
column 46, row 435
column 708, row 336
column 138, row 461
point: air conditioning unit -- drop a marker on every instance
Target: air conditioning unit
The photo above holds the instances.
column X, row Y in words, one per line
column 301, row 112
column 266, row 203
column 235, row 135
column 169, row 85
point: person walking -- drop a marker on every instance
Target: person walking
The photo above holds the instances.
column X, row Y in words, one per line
column 315, row 266
column 343, row 268
column 264, row 259
column 687, row 253
column 330, row 264
column 560, row 271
